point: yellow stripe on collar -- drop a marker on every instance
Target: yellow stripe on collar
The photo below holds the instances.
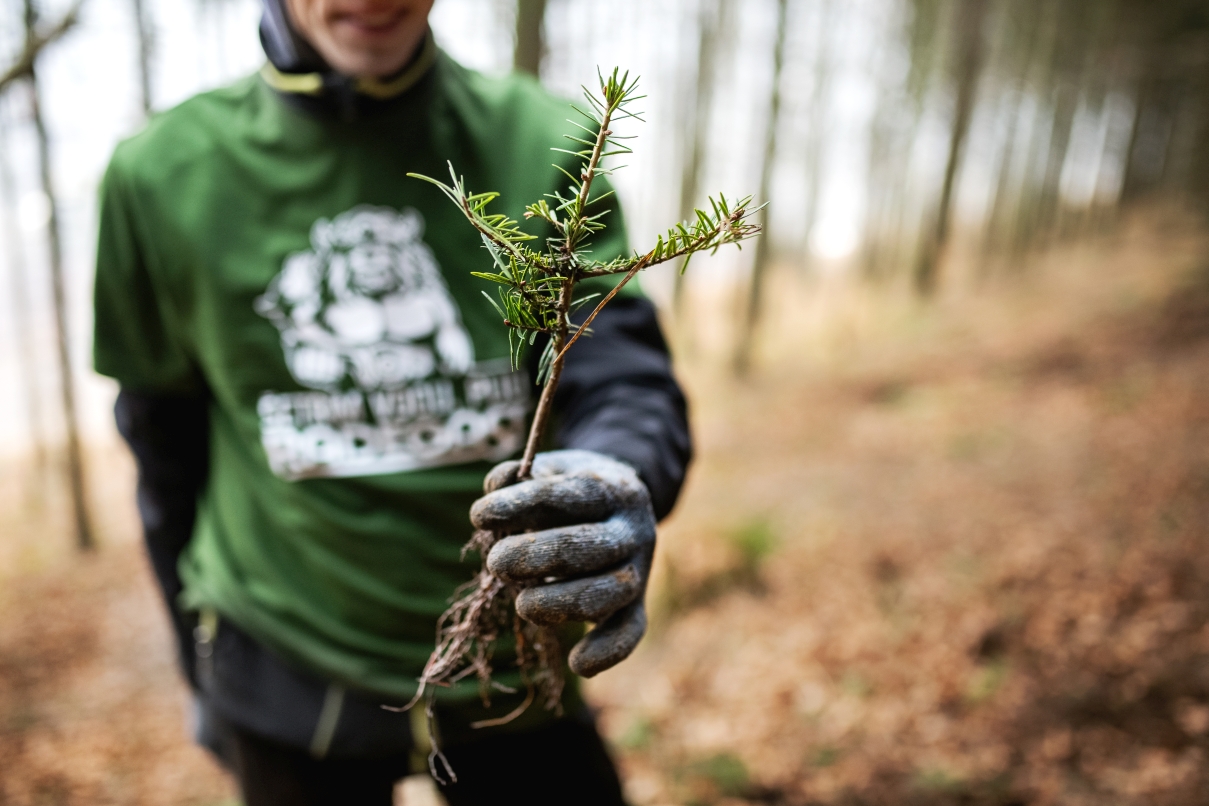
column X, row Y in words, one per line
column 312, row 83
column 296, row 83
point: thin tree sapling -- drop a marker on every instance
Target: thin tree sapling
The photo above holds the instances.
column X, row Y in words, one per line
column 536, row 297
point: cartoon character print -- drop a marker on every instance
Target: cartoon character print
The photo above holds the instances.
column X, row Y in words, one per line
column 366, row 306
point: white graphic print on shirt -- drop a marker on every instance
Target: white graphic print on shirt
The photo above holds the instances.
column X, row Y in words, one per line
column 368, row 324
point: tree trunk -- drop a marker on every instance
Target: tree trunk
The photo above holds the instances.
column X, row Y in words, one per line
column 898, row 210
column 143, row 32
column 1198, row 174
column 884, row 134
column 75, row 459
column 816, row 135
column 530, row 45
column 968, row 20
column 993, row 232
column 1023, row 219
column 1066, row 100
column 760, row 262
column 711, row 22
column 1069, row 83
column 15, row 259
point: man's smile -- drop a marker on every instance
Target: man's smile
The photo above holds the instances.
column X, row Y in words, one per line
column 370, row 23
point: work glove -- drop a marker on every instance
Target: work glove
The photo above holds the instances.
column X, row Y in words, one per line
column 581, row 540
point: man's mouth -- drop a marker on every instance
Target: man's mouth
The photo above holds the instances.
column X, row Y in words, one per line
column 372, row 24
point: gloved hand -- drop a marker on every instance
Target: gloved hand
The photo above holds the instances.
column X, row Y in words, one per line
column 582, row 544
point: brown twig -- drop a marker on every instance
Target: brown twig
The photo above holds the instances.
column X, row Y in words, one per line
column 644, row 262
column 579, row 331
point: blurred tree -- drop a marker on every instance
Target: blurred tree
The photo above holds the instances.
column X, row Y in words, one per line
column 968, row 48
column 889, row 233
column 713, row 18
column 32, row 44
column 22, row 327
column 144, row 34
column 1058, row 90
column 1169, row 50
column 759, row 266
column 1082, row 23
column 1035, row 137
column 25, row 68
column 1022, row 24
column 818, row 105
column 1196, row 121
column 530, row 44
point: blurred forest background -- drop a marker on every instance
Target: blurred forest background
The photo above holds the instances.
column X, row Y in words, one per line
column 946, row 537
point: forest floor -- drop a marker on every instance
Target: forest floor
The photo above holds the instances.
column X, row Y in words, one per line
column 955, row 553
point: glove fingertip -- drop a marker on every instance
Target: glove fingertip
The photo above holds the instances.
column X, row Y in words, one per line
column 481, row 515
column 506, row 559
column 609, row 643
column 502, row 475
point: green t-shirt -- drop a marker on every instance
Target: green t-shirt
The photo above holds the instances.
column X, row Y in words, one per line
column 360, row 381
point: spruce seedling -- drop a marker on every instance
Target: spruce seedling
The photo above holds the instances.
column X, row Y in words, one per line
column 536, row 297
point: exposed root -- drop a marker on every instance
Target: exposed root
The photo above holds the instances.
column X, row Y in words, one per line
column 483, row 609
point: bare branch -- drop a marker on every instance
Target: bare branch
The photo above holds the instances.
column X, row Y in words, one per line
column 23, row 65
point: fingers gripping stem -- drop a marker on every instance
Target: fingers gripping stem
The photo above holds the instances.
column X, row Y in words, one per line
column 543, row 503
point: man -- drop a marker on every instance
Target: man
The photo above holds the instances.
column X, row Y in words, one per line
column 315, row 389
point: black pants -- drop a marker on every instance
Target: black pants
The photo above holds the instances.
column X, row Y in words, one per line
column 562, row 763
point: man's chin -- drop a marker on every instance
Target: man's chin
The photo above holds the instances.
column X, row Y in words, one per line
column 371, row 64
column 373, row 55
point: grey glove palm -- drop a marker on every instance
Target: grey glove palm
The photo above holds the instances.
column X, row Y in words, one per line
column 582, row 537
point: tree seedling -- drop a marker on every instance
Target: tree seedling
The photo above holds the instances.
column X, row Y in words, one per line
column 536, row 297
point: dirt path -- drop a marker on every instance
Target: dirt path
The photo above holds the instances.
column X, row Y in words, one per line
column 91, row 708
column 967, row 562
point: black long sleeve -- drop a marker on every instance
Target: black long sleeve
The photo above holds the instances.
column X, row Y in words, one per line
column 169, row 437
column 617, row 396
